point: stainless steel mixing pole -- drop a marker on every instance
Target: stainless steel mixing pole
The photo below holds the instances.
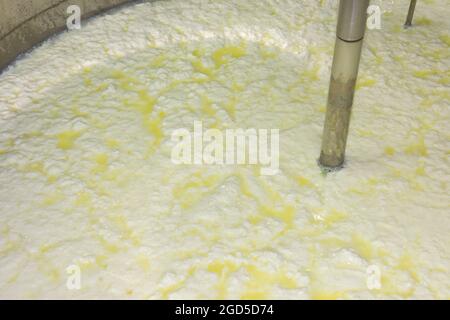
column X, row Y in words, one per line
column 349, row 39
column 412, row 7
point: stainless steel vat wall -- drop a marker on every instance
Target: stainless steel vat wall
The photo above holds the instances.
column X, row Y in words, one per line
column 24, row 24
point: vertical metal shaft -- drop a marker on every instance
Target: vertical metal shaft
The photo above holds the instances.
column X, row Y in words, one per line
column 412, row 8
column 349, row 39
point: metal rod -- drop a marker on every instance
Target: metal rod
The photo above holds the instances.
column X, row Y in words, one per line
column 409, row 18
column 349, row 39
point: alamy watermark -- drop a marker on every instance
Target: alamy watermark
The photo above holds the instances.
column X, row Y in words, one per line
column 373, row 280
column 73, row 277
column 73, row 22
column 373, row 17
column 228, row 147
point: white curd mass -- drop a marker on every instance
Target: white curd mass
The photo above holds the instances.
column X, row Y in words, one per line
column 87, row 182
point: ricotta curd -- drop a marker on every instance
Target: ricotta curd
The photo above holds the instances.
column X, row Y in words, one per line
column 87, row 181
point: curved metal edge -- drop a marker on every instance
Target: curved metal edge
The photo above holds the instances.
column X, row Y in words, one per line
column 46, row 23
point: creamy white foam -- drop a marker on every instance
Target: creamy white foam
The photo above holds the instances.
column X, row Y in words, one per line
column 86, row 177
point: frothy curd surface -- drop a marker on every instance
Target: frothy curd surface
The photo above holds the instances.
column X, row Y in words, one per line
column 86, row 177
